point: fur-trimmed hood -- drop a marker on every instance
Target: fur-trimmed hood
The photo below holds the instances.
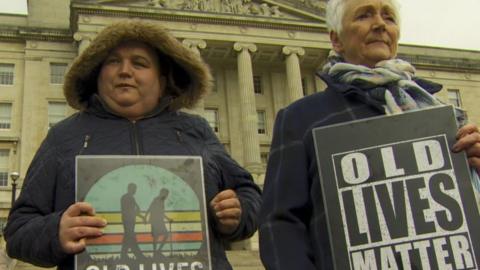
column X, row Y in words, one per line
column 188, row 80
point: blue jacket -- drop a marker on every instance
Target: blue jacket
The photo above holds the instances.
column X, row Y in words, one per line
column 293, row 227
column 49, row 187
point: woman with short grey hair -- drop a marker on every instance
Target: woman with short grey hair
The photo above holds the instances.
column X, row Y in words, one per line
column 364, row 79
column 335, row 11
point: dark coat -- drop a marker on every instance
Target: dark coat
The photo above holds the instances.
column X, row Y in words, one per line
column 293, row 228
column 49, row 187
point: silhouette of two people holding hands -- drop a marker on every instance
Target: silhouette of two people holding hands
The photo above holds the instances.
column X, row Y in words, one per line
column 155, row 215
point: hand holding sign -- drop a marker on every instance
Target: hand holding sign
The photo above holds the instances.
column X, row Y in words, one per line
column 228, row 211
column 78, row 222
column 468, row 138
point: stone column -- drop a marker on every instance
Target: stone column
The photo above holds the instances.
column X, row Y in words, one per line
column 195, row 45
column 251, row 147
column 294, row 75
column 83, row 39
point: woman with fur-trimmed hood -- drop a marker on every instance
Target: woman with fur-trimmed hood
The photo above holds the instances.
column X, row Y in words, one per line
column 128, row 86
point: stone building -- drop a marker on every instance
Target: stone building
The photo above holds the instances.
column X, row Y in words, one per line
column 263, row 54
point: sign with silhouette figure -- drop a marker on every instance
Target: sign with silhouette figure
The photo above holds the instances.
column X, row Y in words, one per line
column 155, row 210
column 395, row 196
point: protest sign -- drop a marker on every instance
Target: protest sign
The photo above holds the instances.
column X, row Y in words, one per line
column 395, row 196
column 155, row 210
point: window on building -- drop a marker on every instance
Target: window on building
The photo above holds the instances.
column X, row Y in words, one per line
column 57, row 71
column 6, row 74
column 57, row 111
column 262, row 119
column 257, row 85
column 454, row 97
column 212, row 118
column 4, row 154
column 5, row 115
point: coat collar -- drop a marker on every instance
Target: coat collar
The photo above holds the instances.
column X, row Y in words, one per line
column 97, row 106
column 350, row 91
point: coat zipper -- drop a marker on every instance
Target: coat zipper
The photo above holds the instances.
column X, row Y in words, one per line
column 85, row 144
column 179, row 136
column 185, row 143
column 136, row 143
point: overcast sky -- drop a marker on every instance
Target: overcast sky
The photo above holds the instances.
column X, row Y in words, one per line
column 13, row 6
column 441, row 23
column 437, row 23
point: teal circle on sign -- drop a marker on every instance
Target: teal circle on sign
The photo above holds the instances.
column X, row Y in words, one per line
column 106, row 193
column 105, row 196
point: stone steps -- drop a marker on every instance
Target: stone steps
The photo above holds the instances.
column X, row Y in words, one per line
column 245, row 259
column 25, row 266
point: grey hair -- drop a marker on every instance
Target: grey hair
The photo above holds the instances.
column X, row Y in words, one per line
column 335, row 12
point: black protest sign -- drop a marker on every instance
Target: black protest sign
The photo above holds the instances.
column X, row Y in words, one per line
column 395, row 196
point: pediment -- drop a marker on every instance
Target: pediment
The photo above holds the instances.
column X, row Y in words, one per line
column 296, row 10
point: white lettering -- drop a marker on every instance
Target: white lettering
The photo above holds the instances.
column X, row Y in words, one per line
column 461, row 253
column 367, row 263
column 403, row 249
column 422, row 247
column 180, row 265
column 441, row 254
column 425, row 149
column 389, row 163
column 196, row 265
column 387, row 258
column 355, row 168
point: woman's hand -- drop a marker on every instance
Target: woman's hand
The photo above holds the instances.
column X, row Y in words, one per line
column 468, row 139
column 78, row 222
column 228, row 211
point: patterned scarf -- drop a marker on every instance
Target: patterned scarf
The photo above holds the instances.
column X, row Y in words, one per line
column 391, row 82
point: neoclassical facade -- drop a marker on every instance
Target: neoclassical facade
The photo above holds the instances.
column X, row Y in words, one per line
column 263, row 54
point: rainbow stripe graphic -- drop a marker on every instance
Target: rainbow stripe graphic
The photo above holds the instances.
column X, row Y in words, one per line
column 185, row 235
